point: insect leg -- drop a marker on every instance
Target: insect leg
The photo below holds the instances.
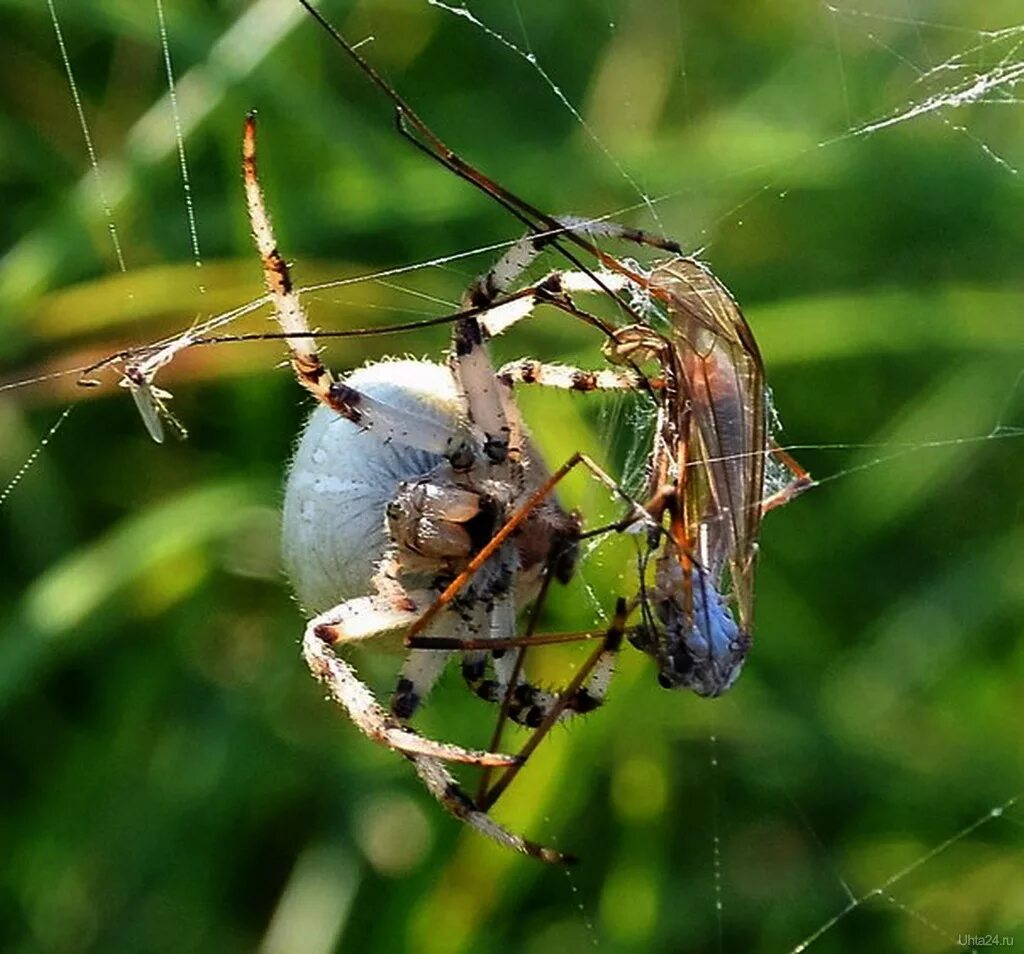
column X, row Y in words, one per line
column 598, row 660
column 802, row 480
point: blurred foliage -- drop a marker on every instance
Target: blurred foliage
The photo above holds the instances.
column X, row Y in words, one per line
column 173, row 780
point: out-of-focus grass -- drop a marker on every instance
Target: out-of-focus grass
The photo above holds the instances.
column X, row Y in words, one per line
column 173, row 779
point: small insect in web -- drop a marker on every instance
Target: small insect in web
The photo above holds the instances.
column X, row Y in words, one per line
column 151, row 402
column 138, row 371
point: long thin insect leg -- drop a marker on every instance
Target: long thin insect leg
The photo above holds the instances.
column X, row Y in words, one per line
column 433, row 145
column 802, row 480
column 612, row 642
column 513, row 642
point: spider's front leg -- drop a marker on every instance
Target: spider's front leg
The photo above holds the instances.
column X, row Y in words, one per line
column 565, row 377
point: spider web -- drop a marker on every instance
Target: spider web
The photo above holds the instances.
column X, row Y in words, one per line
column 962, row 80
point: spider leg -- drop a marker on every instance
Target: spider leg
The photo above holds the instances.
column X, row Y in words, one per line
column 392, row 423
column 566, row 378
column 507, row 270
column 346, row 688
column 551, row 289
column 604, row 228
column 557, row 290
column 365, row 617
column 417, row 677
column 514, row 667
column 527, row 704
column 598, row 659
column 474, row 662
column 443, row 786
column 480, row 390
column 501, row 624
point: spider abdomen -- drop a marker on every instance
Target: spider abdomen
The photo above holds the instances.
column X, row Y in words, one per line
column 343, row 477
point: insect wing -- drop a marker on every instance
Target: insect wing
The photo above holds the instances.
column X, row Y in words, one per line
column 149, row 407
column 150, row 400
column 727, row 437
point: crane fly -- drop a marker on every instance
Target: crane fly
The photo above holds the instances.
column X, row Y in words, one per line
column 707, row 476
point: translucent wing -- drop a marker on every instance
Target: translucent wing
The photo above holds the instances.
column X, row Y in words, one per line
column 150, row 401
column 146, row 402
column 722, row 426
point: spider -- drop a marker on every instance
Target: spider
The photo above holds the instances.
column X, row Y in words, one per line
column 407, row 476
column 456, row 525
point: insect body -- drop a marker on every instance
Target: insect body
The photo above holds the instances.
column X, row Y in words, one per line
column 707, row 475
column 151, row 401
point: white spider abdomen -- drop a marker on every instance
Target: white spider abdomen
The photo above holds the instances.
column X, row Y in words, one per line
column 343, row 476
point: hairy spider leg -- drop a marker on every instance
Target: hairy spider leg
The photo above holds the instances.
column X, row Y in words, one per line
column 344, row 687
column 518, row 657
column 444, row 787
column 359, row 408
column 520, row 700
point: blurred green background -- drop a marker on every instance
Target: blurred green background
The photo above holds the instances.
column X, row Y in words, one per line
column 172, row 779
